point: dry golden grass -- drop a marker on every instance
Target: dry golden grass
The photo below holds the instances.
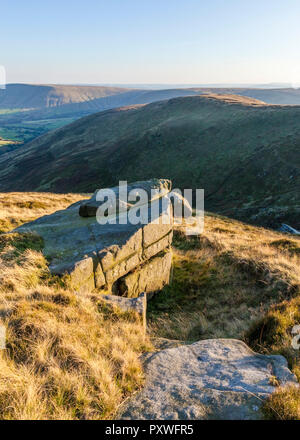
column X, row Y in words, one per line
column 225, row 280
column 67, row 356
column 235, row 281
column 284, row 404
column 20, row 207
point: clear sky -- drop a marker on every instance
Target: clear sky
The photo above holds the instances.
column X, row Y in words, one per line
column 150, row 41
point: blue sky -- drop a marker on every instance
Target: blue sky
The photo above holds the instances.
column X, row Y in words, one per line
column 150, row 41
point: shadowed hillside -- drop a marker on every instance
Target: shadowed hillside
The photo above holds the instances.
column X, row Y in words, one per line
column 245, row 154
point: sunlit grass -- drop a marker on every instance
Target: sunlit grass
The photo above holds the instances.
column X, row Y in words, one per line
column 235, row 281
column 67, row 356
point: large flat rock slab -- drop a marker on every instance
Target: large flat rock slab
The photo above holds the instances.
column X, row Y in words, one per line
column 219, row 379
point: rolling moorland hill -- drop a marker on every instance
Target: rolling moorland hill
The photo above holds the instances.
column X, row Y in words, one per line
column 244, row 153
column 28, row 111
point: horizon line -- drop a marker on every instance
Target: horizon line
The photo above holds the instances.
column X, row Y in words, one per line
column 162, row 85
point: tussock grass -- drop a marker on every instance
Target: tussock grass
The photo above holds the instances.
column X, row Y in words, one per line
column 284, row 404
column 67, row 356
column 235, row 281
column 223, row 281
column 273, row 332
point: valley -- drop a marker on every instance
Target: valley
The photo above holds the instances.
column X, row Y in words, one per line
column 243, row 152
column 236, row 284
column 150, row 215
column 28, row 111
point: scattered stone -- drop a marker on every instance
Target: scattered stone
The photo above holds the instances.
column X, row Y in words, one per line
column 219, row 379
column 138, row 305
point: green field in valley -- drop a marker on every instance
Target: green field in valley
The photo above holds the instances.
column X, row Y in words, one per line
column 22, row 131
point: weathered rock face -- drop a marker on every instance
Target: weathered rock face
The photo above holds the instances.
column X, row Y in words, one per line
column 97, row 255
column 212, row 379
column 149, row 278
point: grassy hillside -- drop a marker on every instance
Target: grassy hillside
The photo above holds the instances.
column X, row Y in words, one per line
column 21, row 131
column 28, row 111
column 235, row 281
column 243, row 153
column 68, row 357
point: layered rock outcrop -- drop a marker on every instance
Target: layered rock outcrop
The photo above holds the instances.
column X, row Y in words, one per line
column 118, row 257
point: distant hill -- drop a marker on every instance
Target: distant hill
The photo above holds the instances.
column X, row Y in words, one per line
column 245, row 154
column 30, row 96
column 33, row 97
column 286, row 96
column 52, row 100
